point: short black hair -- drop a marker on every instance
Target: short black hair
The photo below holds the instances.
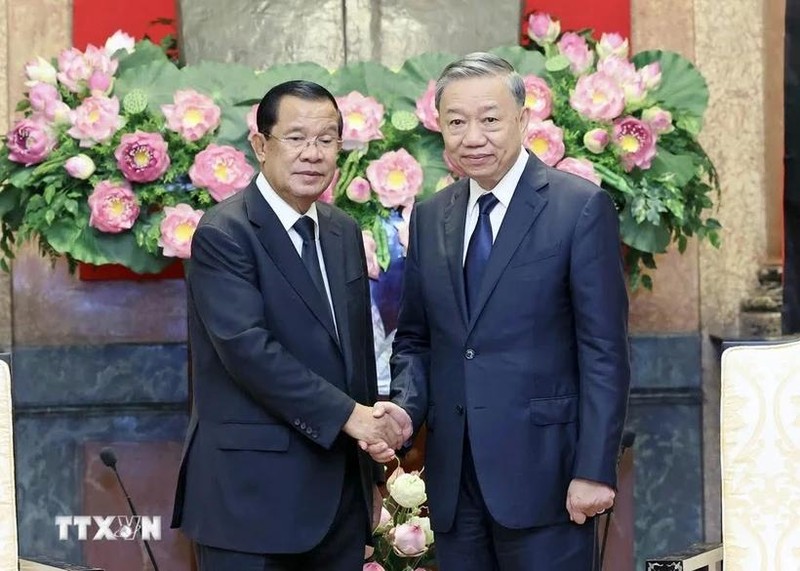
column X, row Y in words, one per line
column 267, row 114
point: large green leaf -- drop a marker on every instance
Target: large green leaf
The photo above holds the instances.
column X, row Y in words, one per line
column 93, row 247
column 428, row 149
column 9, row 200
column 369, row 78
column 680, row 168
column 223, row 82
column 683, row 88
column 158, row 80
column 644, row 235
column 144, row 54
column 276, row 74
column 526, row 62
column 416, row 73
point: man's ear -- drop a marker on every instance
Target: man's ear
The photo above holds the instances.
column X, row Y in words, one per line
column 258, row 142
column 523, row 120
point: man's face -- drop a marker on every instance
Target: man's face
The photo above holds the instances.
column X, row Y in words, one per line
column 482, row 126
column 299, row 170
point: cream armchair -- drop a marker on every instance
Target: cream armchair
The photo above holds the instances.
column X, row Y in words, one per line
column 8, row 508
column 760, row 447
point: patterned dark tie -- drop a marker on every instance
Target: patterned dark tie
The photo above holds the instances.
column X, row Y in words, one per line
column 305, row 226
column 480, row 246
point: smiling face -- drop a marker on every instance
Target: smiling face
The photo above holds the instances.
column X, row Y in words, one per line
column 482, row 127
column 299, row 175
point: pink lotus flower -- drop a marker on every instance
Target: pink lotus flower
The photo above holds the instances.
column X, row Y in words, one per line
column 546, row 141
column 542, row 29
column 177, row 229
column 192, row 115
column 580, row 167
column 385, row 518
column 113, row 206
column 80, row 166
column 538, row 97
column 636, row 143
column 142, row 157
column 75, row 68
column 221, row 170
column 452, row 166
column 625, row 74
column 426, row 108
column 252, row 122
column 362, row 120
column 408, row 540
column 596, row 140
column 651, row 75
column 42, row 96
column 329, row 193
column 373, row 566
column 612, row 45
column 396, row 177
column 95, row 120
column 359, row 190
column 574, row 47
column 58, row 113
column 119, row 41
column 371, row 251
column 40, row 71
column 660, row 120
column 29, row 142
column 100, row 83
column 598, row 97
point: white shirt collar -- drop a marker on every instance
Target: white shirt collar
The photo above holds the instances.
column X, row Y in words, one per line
column 504, row 189
column 283, row 210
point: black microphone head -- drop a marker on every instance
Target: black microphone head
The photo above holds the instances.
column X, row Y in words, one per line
column 627, row 438
column 108, row 457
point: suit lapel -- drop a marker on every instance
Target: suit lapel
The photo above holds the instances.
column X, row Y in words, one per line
column 526, row 205
column 331, row 239
column 455, row 216
column 279, row 247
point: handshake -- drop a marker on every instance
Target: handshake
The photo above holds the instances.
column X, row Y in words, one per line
column 380, row 429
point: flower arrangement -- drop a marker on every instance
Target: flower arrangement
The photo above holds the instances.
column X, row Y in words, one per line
column 118, row 151
column 403, row 537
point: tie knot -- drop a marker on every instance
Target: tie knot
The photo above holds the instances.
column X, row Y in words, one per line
column 487, row 202
column 305, row 227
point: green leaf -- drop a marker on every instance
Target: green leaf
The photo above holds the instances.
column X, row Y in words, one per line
column 9, row 200
column 526, row 62
column 557, row 63
column 21, row 177
column 683, row 88
column 644, row 236
column 382, row 241
column 144, row 53
column 678, row 169
column 373, row 80
column 157, row 79
column 276, row 74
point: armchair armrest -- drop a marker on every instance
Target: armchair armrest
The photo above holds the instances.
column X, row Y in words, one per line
column 44, row 564
column 698, row 556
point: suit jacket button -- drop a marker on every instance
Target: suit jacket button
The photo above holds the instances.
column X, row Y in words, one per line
column 309, row 430
column 459, row 409
column 297, row 422
column 469, row 354
column 303, row 426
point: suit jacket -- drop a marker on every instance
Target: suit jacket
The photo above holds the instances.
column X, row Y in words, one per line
column 539, row 373
column 264, row 459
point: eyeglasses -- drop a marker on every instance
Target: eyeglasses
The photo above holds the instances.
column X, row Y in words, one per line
column 298, row 143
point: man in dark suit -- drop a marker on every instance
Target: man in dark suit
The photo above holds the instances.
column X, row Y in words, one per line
column 282, row 360
column 512, row 340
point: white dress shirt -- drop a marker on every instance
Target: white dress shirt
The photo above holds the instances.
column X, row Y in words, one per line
column 288, row 216
column 504, row 191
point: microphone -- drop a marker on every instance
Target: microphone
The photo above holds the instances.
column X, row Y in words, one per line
column 628, row 438
column 110, row 460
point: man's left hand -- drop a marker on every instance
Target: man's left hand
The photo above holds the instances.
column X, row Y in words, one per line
column 587, row 499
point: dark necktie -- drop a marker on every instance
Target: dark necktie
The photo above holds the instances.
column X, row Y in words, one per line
column 305, row 227
column 480, row 246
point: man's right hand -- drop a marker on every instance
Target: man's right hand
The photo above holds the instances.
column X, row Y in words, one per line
column 382, row 452
column 371, row 429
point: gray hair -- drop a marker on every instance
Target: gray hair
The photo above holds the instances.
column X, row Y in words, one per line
column 481, row 64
